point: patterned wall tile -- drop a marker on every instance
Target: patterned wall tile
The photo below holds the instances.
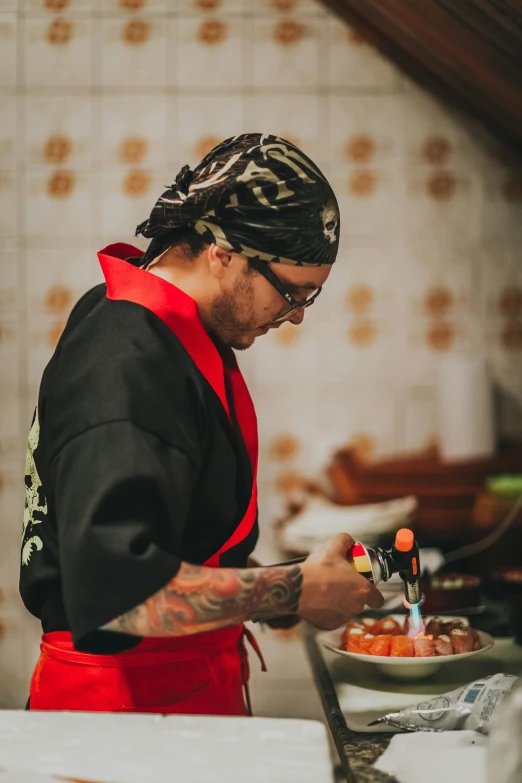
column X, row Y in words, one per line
column 49, row 7
column 56, row 280
column 288, row 7
column 12, row 455
column 11, row 615
column 9, row 568
column 371, row 201
column 12, row 440
column 208, row 53
column 416, row 419
column 9, row 306
column 432, row 135
column 130, row 7
column 32, row 638
column 501, row 281
column 503, row 344
column 439, row 314
column 288, row 425
column 442, row 204
column 58, row 51
column 501, row 314
column 8, row 135
column 209, row 7
column 353, row 62
column 363, row 415
column 362, row 347
column 361, row 284
column 59, row 202
column 125, row 198
column 286, row 52
column 11, row 497
column 58, row 132
column 134, row 51
column 202, row 123
column 9, row 188
column 8, row 70
column 294, row 117
column 439, row 281
column 11, row 663
column 502, row 205
column 504, row 340
column 134, row 130
column 364, row 131
column 288, row 354
column 13, row 694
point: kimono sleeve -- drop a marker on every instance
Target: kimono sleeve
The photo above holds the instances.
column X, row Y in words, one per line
column 122, row 497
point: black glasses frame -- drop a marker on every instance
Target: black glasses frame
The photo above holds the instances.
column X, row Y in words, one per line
column 295, row 306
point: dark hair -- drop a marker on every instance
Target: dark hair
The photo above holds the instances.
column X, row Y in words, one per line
column 184, row 238
column 188, row 241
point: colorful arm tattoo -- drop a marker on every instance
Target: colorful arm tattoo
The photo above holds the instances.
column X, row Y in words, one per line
column 203, row 599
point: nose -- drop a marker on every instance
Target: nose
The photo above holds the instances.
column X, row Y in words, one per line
column 297, row 318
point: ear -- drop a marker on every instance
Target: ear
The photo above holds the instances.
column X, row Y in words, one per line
column 218, row 260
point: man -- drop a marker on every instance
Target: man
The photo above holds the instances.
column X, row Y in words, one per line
column 141, row 507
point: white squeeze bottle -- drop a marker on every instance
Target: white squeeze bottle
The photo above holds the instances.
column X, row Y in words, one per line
column 504, row 750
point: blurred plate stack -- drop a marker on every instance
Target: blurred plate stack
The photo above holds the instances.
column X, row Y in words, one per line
column 320, row 520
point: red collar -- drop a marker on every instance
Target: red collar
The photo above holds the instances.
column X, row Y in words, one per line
column 175, row 308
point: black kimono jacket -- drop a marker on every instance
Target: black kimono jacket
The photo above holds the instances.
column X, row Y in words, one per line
column 134, row 463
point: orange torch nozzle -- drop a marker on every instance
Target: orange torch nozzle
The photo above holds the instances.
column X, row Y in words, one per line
column 404, row 540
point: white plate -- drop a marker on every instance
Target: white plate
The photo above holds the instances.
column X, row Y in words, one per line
column 404, row 668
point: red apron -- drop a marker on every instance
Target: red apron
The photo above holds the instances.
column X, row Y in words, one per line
column 204, row 673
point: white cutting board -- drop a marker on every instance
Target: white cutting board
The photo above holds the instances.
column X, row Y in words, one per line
column 123, row 748
column 365, row 695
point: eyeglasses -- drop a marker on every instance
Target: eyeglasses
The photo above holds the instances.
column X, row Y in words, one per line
column 295, row 306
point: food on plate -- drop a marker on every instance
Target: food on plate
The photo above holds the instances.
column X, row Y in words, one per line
column 349, row 628
column 476, row 639
column 451, row 625
column 371, row 626
column 423, row 646
column 433, row 627
column 390, row 625
column 391, row 638
column 462, row 640
column 359, row 641
column 443, row 645
column 401, row 647
column 437, row 626
column 381, row 644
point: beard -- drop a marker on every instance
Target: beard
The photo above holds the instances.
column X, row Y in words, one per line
column 231, row 314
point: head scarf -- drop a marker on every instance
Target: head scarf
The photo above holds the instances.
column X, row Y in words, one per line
column 253, row 194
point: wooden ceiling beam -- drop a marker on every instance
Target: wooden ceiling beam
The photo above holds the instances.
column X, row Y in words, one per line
column 469, row 52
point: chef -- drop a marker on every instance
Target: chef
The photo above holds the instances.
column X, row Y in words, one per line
column 141, row 500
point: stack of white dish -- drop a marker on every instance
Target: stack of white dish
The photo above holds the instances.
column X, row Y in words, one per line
column 321, row 520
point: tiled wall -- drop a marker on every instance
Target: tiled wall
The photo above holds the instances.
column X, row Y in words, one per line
column 102, row 101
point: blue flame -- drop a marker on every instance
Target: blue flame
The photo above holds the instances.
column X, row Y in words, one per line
column 416, row 624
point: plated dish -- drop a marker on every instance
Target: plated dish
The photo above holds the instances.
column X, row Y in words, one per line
column 400, row 653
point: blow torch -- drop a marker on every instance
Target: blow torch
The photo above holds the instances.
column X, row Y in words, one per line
column 378, row 565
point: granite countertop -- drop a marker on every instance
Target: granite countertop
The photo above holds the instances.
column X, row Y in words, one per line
column 362, row 751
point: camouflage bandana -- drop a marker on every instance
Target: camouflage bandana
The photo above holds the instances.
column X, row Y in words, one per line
column 256, row 195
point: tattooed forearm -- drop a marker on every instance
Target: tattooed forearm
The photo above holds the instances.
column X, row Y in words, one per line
column 203, row 599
